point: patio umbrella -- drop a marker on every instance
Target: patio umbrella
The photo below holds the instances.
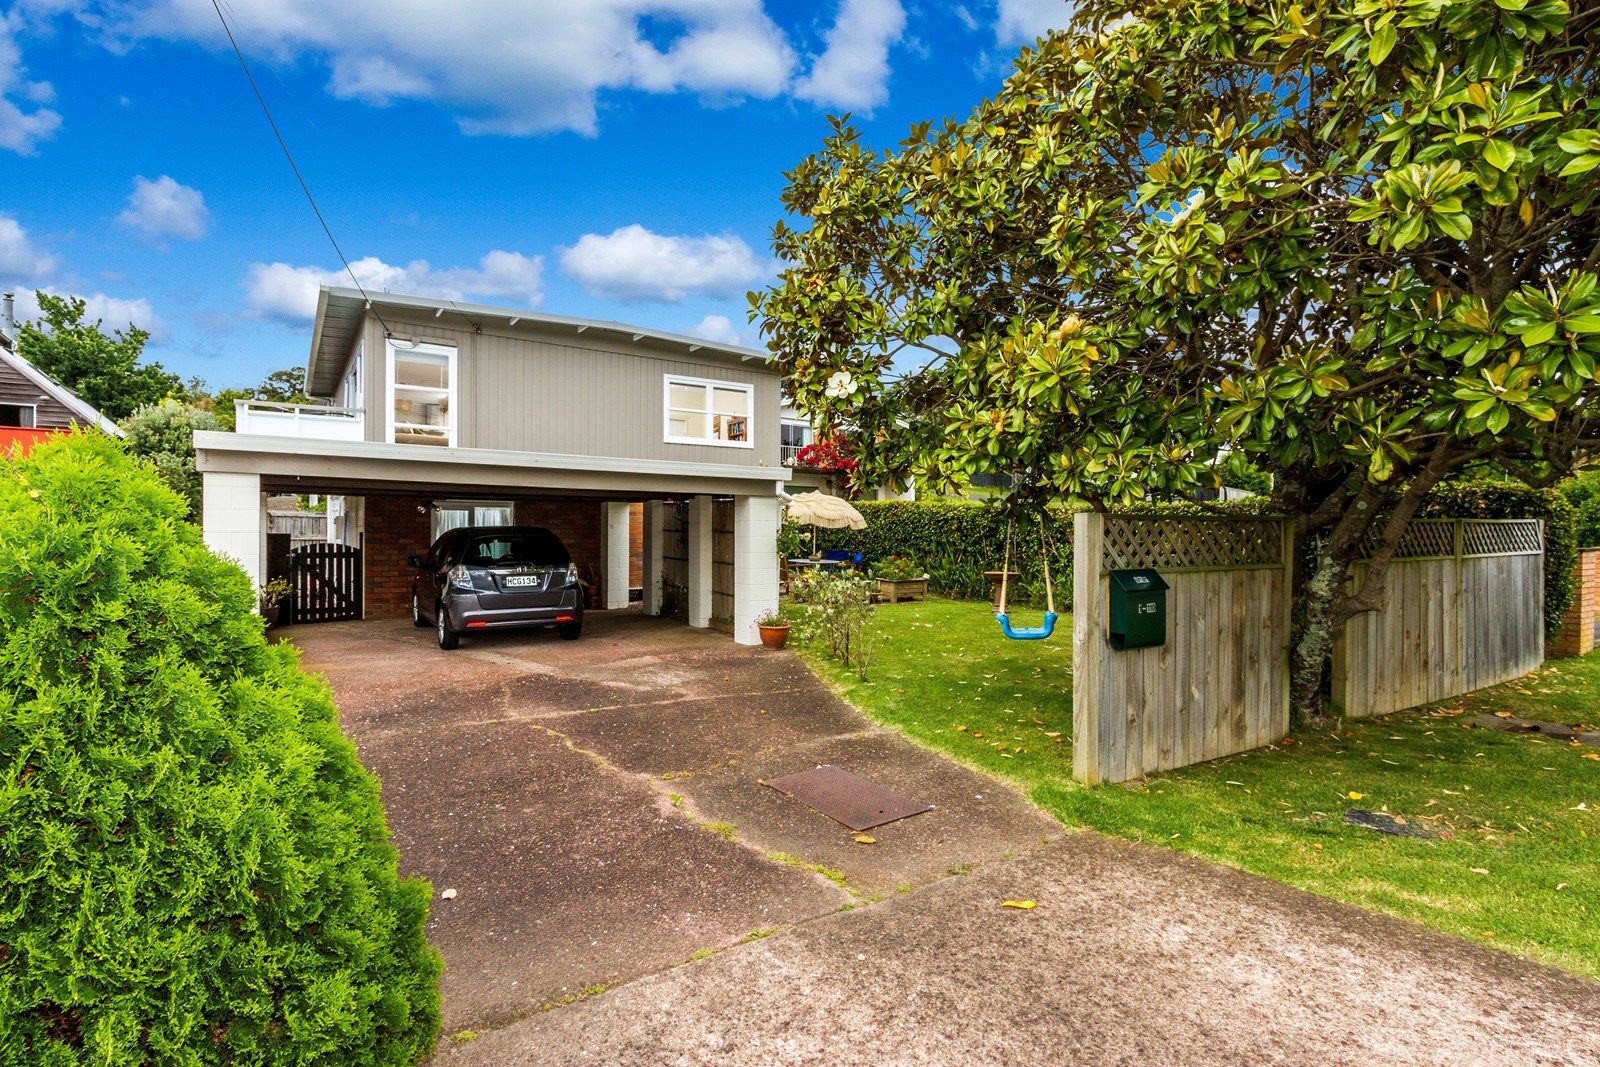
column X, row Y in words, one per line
column 829, row 512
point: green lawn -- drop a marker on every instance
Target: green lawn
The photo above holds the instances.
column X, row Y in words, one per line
column 1518, row 861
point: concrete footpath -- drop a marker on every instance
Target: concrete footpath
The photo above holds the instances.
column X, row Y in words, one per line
column 1133, row 955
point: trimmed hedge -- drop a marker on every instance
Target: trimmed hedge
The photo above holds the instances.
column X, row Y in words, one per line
column 196, row 867
column 955, row 541
column 1499, row 498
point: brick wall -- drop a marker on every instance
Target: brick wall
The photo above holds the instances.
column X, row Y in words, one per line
column 1577, row 625
column 395, row 529
column 636, row 547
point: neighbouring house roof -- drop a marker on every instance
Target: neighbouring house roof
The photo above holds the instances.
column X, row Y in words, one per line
column 60, row 393
column 340, row 312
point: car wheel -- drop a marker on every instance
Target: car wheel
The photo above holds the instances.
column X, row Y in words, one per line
column 571, row 631
column 448, row 638
column 416, row 613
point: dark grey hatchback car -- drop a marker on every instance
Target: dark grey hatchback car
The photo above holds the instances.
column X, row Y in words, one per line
column 494, row 578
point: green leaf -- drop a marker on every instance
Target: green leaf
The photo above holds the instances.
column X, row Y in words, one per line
column 1383, row 39
column 1499, row 153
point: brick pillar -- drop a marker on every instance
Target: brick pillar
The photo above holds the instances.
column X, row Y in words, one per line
column 702, row 530
column 233, row 515
column 755, row 564
column 655, row 513
column 618, row 536
column 1577, row 625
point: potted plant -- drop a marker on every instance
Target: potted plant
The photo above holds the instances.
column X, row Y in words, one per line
column 774, row 629
column 899, row 579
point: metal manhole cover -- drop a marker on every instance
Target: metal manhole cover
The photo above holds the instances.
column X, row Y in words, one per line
column 847, row 798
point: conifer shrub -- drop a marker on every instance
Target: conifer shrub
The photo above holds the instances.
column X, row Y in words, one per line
column 194, row 868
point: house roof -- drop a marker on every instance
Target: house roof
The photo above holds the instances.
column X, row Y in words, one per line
column 66, row 397
column 340, row 311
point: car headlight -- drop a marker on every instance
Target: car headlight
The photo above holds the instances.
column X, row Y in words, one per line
column 460, row 578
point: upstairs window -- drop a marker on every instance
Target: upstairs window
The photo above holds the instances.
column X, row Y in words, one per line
column 795, row 436
column 422, row 393
column 704, row 412
column 350, row 392
column 19, row 415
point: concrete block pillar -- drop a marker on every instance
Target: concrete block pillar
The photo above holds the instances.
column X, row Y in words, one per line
column 233, row 516
column 617, row 532
column 756, row 520
column 655, row 537
column 702, row 531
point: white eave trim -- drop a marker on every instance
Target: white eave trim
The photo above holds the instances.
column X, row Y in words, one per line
column 222, row 442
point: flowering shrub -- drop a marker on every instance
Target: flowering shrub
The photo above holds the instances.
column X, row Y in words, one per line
column 896, row 569
column 835, row 609
column 830, row 457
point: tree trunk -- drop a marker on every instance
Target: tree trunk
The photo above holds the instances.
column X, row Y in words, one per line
column 1314, row 628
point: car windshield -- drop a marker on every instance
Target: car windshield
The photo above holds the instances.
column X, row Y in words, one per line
column 512, row 548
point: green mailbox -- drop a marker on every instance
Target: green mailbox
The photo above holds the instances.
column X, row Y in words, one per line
column 1138, row 609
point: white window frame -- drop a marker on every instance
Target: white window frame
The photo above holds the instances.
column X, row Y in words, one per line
column 19, row 404
column 391, row 347
column 708, row 384
column 469, row 506
column 811, row 433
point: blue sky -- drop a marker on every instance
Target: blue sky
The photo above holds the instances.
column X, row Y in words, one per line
column 608, row 158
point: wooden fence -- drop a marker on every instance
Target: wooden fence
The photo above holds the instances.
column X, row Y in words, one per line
column 1219, row 684
column 1464, row 610
column 324, row 583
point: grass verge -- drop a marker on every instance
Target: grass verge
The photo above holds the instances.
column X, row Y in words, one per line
column 1517, row 860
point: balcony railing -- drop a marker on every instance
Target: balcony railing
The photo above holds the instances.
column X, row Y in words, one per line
column 786, row 453
column 308, row 421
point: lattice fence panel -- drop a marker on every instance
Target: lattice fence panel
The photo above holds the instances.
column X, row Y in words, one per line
column 1423, row 539
column 1519, row 537
column 1191, row 543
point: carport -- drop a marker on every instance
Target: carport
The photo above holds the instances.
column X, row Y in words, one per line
column 709, row 531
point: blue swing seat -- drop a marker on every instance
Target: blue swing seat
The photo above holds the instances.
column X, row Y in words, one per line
column 1025, row 634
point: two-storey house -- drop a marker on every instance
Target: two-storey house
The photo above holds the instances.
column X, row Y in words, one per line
column 442, row 413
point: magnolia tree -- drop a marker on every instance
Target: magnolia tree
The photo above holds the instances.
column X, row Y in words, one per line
column 1353, row 245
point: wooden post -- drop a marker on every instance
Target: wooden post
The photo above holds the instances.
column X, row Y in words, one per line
column 1088, row 640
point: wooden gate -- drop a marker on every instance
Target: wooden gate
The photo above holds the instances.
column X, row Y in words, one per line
column 722, row 565
column 324, row 583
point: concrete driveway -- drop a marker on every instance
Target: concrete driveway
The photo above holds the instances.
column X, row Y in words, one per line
column 597, row 807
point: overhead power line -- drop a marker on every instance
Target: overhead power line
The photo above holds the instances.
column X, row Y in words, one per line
column 304, row 188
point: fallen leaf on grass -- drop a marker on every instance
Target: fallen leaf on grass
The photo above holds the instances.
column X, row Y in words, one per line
column 866, row 839
column 1480, row 870
column 1502, row 715
column 961, row 729
column 1025, row 905
column 1356, row 796
column 1591, row 755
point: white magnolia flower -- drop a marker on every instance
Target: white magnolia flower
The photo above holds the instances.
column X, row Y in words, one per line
column 841, row 384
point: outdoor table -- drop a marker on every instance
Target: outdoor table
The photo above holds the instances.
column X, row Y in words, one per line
column 994, row 583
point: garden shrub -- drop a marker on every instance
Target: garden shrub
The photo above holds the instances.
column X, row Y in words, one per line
column 195, row 866
column 1502, row 498
column 833, row 611
column 955, row 541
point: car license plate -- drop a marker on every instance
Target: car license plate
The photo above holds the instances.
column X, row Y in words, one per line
column 517, row 581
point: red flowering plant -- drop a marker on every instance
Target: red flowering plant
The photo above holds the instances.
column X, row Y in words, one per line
column 830, row 457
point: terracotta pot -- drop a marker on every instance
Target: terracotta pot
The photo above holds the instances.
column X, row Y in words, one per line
column 774, row 636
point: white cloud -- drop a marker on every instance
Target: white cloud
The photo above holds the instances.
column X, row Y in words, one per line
column 633, row 263
column 853, row 70
column 721, row 329
column 19, row 259
column 1021, row 21
column 165, row 207
column 115, row 312
column 289, row 293
column 21, row 129
column 502, row 67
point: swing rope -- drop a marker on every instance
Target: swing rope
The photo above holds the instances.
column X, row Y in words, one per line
column 1003, row 615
